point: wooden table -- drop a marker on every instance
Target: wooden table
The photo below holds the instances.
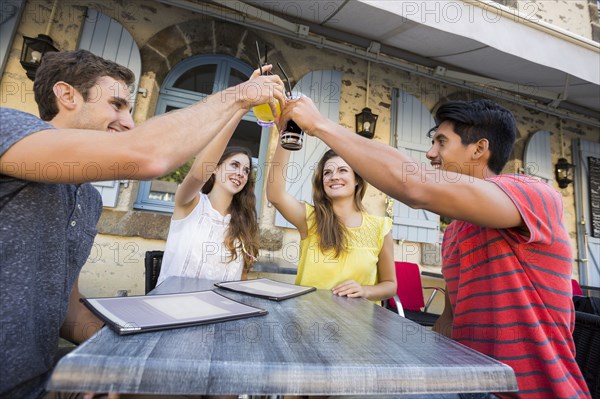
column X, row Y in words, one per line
column 313, row 344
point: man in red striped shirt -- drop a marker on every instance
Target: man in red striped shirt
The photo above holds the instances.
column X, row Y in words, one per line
column 508, row 271
column 507, row 255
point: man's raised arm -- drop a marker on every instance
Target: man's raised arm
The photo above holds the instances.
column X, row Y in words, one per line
column 149, row 150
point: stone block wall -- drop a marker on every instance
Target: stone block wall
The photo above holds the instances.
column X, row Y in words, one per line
column 167, row 35
column 577, row 16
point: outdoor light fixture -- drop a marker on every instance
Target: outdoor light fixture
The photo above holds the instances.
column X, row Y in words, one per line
column 366, row 120
column 564, row 173
column 563, row 170
column 33, row 50
column 365, row 123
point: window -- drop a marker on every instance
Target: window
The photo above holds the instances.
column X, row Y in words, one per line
column 190, row 81
column 199, row 79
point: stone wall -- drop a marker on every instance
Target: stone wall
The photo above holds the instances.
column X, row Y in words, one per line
column 595, row 18
column 576, row 16
column 167, row 35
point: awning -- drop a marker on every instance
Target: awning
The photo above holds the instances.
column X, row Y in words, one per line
column 487, row 41
column 476, row 42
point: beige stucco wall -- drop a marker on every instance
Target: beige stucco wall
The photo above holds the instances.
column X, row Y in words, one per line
column 116, row 261
column 572, row 15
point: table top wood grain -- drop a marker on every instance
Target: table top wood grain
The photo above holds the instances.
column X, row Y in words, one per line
column 315, row 344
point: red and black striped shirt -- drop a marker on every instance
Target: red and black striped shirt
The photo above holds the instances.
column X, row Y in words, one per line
column 511, row 294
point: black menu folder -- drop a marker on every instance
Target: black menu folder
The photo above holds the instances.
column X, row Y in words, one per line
column 135, row 314
column 266, row 288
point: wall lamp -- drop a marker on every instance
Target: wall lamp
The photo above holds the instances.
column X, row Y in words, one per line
column 32, row 52
column 366, row 120
column 563, row 172
column 34, row 48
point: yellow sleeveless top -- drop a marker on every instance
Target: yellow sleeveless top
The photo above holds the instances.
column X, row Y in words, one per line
column 359, row 263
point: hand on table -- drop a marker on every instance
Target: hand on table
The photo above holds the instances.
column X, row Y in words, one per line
column 350, row 289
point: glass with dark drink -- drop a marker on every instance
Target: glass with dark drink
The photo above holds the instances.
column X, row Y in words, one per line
column 292, row 136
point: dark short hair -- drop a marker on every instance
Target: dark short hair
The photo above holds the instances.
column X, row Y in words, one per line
column 80, row 68
column 482, row 119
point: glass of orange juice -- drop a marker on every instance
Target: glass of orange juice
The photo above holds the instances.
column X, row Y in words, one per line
column 264, row 114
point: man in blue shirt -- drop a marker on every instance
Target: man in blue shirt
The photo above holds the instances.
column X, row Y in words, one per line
column 48, row 213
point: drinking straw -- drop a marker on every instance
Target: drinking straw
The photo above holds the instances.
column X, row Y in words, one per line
column 259, row 58
column 289, row 93
column 266, row 54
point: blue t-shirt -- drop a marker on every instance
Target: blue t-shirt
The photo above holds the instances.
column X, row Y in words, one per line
column 46, row 234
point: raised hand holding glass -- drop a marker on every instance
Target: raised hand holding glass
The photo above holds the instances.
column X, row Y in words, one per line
column 291, row 136
column 264, row 114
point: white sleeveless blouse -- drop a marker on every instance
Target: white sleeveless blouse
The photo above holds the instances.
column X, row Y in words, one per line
column 196, row 246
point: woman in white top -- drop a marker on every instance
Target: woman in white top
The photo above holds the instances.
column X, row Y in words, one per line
column 214, row 233
column 214, row 229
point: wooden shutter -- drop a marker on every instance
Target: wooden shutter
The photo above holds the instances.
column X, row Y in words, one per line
column 587, row 190
column 107, row 38
column 10, row 15
column 537, row 159
column 323, row 87
column 412, row 122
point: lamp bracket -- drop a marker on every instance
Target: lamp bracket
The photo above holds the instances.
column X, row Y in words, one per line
column 374, row 48
column 439, row 71
column 303, row 30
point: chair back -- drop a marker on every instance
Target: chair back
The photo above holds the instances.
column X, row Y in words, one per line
column 152, row 264
column 577, row 291
column 410, row 288
column 587, row 349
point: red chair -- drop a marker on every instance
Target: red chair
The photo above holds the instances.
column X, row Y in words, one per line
column 577, row 291
column 410, row 293
column 586, row 336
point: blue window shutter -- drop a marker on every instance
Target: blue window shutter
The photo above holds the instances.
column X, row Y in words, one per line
column 537, row 159
column 107, row 38
column 413, row 120
column 10, row 15
column 323, row 87
column 588, row 246
column 109, row 190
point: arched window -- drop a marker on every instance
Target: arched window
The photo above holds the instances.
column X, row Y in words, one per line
column 188, row 82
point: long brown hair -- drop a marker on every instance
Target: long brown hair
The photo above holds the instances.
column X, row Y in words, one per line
column 243, row 225
column 332, row 232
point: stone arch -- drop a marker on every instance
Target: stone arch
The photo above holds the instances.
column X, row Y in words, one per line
column 203, row 36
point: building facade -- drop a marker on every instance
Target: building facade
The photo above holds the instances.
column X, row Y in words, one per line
column 183, row 51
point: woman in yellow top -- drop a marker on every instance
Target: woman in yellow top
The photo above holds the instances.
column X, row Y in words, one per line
column 342, row 247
